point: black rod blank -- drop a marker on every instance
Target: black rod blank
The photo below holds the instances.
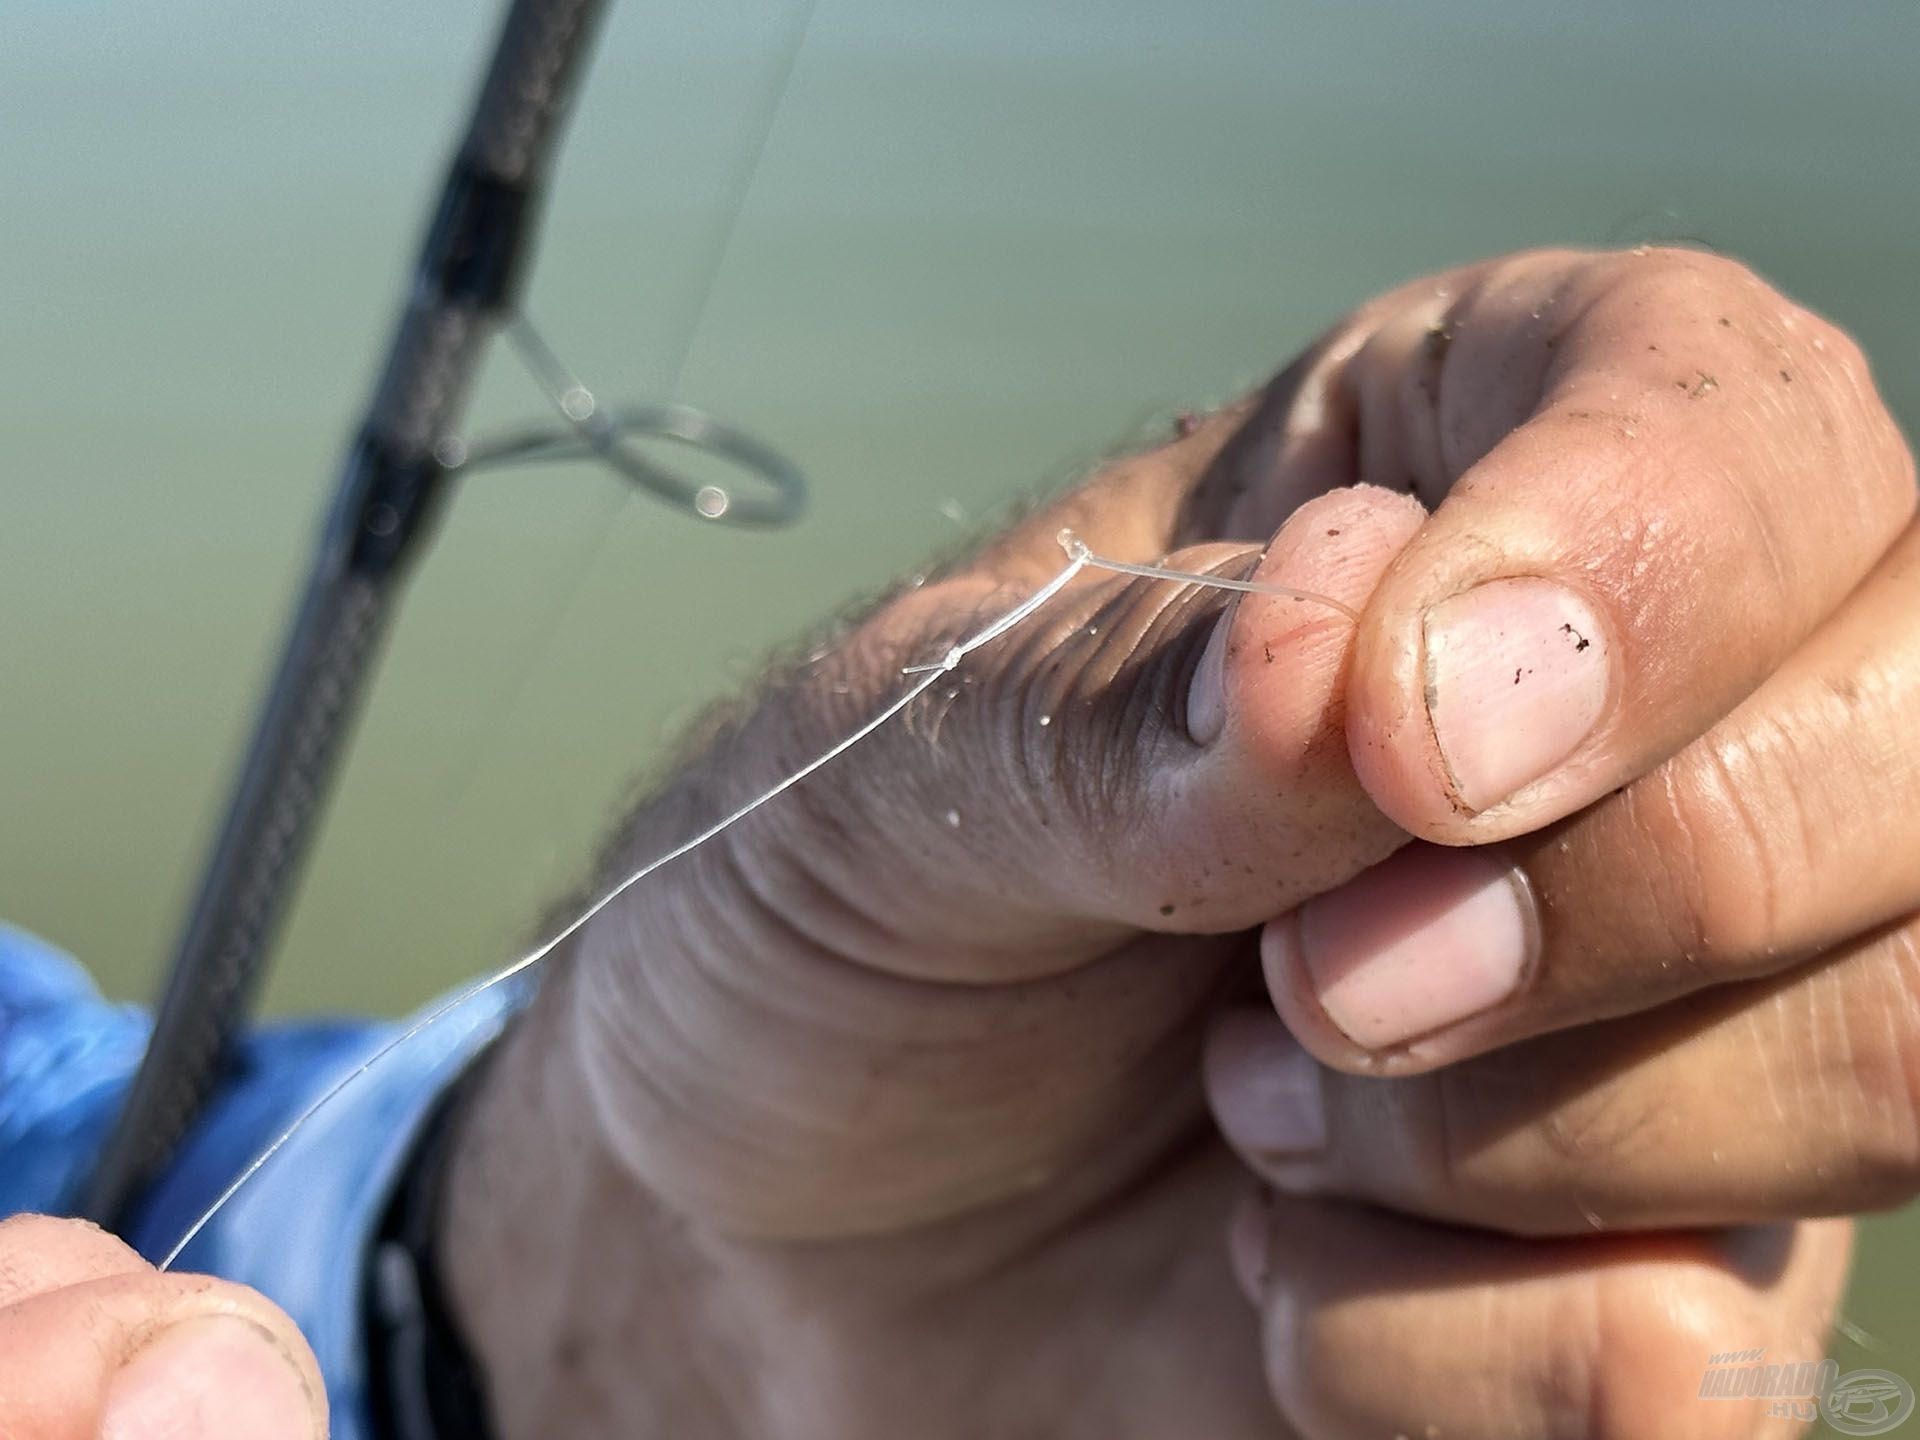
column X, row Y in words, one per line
column 389, row 487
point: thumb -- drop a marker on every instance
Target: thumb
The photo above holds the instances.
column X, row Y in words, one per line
column 759, row 1039
column 1140, row 754
column 136, row 1354
column 1266, row 810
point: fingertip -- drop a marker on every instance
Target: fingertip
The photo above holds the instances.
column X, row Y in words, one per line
column 140, row 1354
column 1339, row 543
column 217, row 1377
column 1264, row 809
column 1276, row 660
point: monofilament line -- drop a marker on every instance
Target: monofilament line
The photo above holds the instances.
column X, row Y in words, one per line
column 924, row 676
column 1076, row 547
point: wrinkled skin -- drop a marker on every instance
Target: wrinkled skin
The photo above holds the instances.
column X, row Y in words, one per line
column 940, row 1097
column 95, row 1344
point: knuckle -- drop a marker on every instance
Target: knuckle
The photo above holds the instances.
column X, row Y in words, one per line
column 1470, row 1149
column 1498, row 1159
column 1696, row 282
column 1540, row 1140
column 1836, row 349
column 1458, row 1161
column 1848, row 413
column 1757, row 826
column 1708, row 269
column 1738, row 834
column 1598, row 1130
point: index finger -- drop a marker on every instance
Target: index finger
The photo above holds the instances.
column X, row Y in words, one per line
column 1667, row 475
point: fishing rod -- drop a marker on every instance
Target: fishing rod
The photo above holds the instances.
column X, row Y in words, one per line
column 394, row 479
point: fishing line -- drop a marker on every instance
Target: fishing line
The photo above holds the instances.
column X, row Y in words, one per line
column 1073, row 545
column 545, row 366
column 924, row 677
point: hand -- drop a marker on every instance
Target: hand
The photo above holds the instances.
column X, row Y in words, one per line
column 879, row 1115
column 95, row 1345
column 1696, row 1003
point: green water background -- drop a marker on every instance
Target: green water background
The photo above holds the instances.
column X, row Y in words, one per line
column 987, row 240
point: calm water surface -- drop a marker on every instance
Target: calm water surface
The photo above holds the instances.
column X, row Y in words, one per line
column 987, row 241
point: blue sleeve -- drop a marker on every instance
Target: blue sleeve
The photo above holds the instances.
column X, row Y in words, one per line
column 300, row 1230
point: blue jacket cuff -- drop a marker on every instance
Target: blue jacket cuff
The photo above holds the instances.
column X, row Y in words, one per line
column 301, row 1228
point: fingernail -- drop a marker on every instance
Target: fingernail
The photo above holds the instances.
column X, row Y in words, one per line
column 216, row 1378
column 1421, row 942
column 1264, row 1089
column 1517, row 674
column 1207, row 691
